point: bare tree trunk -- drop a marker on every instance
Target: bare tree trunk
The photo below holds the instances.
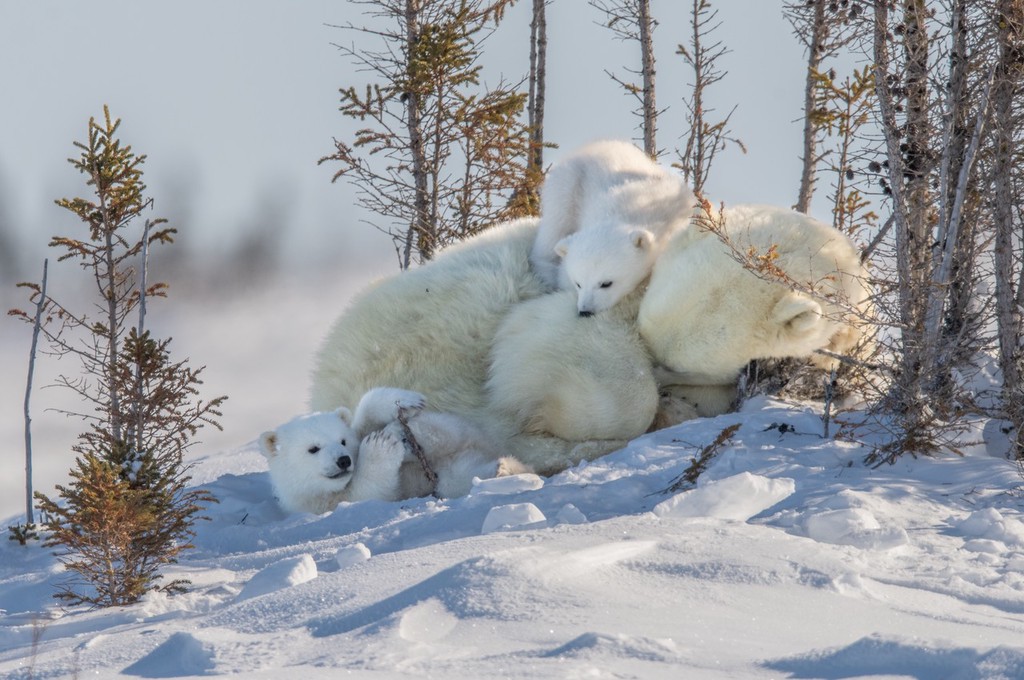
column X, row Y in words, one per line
column 706, row 136
column 950, row 236
column 140, row 396
column 538, row 65
column 108, row 289
column 419, row 229
column 810, row 159
column 650, row 109
column 696, row 150
column 1010, row 20
column 910, row 204
column 36, row 327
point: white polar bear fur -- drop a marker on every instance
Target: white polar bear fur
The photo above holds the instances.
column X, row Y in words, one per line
column 431, row 326
column 550, row 370
column 471, row 330
column 731, row 316
column 607, row 210
column 303, row 454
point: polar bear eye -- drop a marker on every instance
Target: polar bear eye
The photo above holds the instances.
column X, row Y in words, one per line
column 606, row 284
column 313, row 449
column 578, row 285
column 343, row 443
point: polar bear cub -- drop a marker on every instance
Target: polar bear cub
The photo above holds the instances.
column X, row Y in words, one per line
column 320, row 459
column 607, row 211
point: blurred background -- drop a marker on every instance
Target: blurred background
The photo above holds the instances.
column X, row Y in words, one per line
column 233, row 103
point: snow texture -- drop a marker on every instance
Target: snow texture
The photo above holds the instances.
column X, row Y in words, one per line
column 791, row 558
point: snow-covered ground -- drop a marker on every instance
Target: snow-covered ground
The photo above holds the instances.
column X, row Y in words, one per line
column 791, row 559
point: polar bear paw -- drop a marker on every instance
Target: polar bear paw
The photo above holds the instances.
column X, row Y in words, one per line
column 383, row 448
column 382, row 405
column 508, row 466
column 409, row 403
column 399, row 401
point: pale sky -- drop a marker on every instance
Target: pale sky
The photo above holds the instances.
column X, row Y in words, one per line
column 234, row 101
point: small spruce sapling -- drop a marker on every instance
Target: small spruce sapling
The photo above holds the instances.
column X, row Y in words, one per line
column 128, row 510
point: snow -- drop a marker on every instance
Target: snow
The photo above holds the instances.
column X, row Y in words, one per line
column 738, row 497
column 791, row 558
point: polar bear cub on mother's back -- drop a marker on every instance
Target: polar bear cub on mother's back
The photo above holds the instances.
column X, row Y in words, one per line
column 607, row 210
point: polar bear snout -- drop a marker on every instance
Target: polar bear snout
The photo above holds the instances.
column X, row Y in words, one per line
column 337, row 468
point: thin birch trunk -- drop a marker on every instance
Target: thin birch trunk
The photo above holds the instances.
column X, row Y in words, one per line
column 139, row 394
column 810, row 159
column 419, row 229
column 650, row 109
column 697, row 137
column 1008, row 287
column 538, row 67
column 36, row 327
column 942, row 272
column 909, row 206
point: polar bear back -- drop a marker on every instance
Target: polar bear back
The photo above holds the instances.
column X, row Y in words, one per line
column 429, row 329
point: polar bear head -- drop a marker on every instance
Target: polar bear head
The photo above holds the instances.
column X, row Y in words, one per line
column 311, row 458
column 603, row 265
column 704, row 316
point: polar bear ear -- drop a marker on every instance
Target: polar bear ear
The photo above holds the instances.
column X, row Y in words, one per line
column 344, row 414
column 641, row 238
column 268, row 444
column 562, row 247
column 797, row 313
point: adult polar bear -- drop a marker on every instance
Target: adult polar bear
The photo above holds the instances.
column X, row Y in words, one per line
column 473, row 332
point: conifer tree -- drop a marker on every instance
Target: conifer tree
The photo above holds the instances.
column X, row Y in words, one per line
column 128, row 510
column 438, row 158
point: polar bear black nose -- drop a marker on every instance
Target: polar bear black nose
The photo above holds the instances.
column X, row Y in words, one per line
column 344, row 462
column 586, row 313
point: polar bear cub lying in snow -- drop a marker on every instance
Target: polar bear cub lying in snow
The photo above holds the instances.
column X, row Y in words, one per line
column 321, row 459
column 607, row 211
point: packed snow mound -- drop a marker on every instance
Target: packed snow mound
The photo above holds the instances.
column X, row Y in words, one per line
column 351, row 555
column 992, row 525
column 906, row 657
column 284, row 574
column 512, row 517
column 853, row 526
column 182, row 654
column 738, row 498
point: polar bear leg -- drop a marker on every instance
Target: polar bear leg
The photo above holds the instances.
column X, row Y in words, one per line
column 381, row 405
column 561, row 205
column 376, row 475
column 456, row 478
column 548, row 455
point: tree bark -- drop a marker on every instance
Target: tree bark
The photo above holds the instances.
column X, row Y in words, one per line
column 1010, row 20
column 807, row 173
column 647, row 68
column 36, row 327
column 420, row 228
column 538, row 66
